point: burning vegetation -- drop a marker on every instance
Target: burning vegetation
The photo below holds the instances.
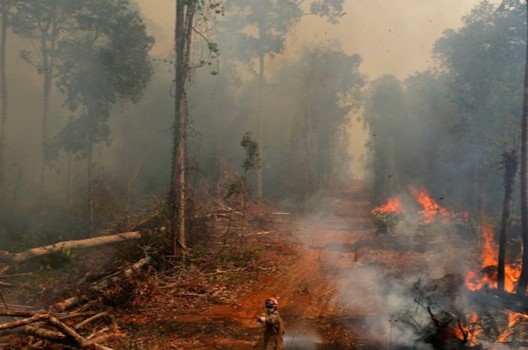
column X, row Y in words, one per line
column 467, row 308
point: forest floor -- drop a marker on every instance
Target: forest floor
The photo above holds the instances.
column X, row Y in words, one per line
column 340, row 282
column 302, row 258
column 304, row 266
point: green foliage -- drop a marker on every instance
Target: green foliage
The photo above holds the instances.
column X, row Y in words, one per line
column 237, row 187
column 446, row 130
column 61, row 257
column 104, row 60
column 251, row 163
column 385, row 220
column 273, row 19
column 319, row 92
column 252, row 160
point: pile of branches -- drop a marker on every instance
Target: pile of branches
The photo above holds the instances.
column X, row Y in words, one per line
column 81, row 321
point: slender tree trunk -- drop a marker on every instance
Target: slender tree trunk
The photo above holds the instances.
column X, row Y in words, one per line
column 523, row 279
column 510, row 169
column 48, row 40
column 260, row 131
column 90, row 186
column 177, row 199
column 45, row 112
column 3, row 86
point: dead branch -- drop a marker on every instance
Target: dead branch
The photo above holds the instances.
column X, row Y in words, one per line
column 438, row 323
column 15, row 324
column 464, row 332
column 91, row 319
column 66, row 334
column 19, row 313
column 65, row 304
column 17, row 258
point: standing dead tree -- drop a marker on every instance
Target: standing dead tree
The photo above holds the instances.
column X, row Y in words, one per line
column 510, row 163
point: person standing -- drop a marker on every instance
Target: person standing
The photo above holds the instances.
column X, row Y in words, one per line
column 273, row 325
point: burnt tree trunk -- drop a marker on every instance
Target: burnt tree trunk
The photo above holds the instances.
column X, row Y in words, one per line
column 510, row 169
column 523, row 279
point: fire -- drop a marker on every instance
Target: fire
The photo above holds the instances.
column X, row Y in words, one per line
column 393, row 206
column 473, row 330
column 489, row 248
column 431, row 209
column 487, row 278
column 513, row 319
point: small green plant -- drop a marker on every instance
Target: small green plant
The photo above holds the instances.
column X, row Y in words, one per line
column 385, row 221
column 251, row 163
column 60, row 258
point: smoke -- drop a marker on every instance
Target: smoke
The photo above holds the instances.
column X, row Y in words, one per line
column 380, row 277
column 302, row 340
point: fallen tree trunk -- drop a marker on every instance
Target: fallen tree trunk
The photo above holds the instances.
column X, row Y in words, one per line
column 17, row 258
column 499, row 300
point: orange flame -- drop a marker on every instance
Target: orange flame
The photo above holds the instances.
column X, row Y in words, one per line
column 473, row 330
column 476, row 281
column 513, row 318
column 393, row 206
column 431, row 209
column 489, row 248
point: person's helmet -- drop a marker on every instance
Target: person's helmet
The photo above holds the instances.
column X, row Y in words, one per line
column 272, row 303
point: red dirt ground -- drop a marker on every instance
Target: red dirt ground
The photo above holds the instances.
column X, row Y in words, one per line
column 305, row 280
column 341, row 284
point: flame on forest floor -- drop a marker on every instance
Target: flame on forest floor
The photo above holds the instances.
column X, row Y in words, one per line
column 430, row 209
column 487, row 277
column 473, row 330
column 393, row 206
column 484, row 278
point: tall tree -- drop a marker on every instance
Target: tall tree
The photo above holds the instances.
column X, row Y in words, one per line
column 259, row 28
column 105, row 62
column 49, row 21
column 523, row 279
column 185, row 11
column 323, row 88
column 484, row 63
column 510, row 169
column 5, row 8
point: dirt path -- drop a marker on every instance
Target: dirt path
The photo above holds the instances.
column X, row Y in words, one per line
column 321, row 307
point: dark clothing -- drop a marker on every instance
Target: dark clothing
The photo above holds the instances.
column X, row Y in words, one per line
column 273, row 331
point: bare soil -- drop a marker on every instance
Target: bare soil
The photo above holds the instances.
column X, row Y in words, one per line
column 331, row 269
column 306, row 257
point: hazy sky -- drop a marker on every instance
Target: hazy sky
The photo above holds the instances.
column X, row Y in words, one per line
column 393, row 37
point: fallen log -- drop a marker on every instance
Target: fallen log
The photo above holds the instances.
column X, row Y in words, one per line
column 63, row 333
column 17, row 258
column 100, row 285
column 500, row 300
